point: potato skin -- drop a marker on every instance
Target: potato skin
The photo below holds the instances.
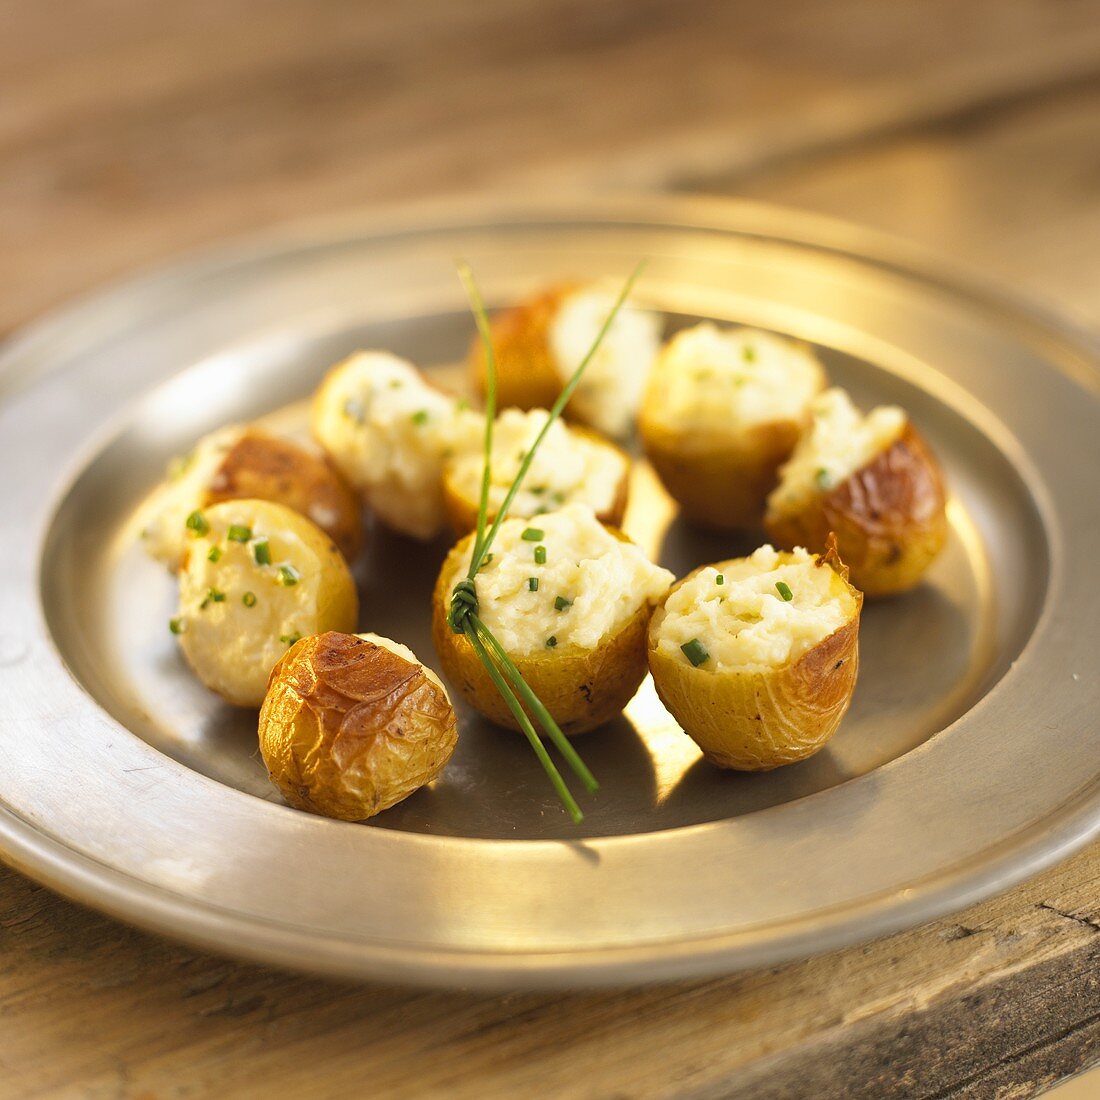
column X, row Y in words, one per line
column 719, row 483
column 526, row 375
column 760, row 720
column 889, row 518
column 462, row 510
column 348, row 728
column 264, row 467
column 581, row 688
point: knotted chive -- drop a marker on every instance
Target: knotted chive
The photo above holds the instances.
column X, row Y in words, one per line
column 463, row 614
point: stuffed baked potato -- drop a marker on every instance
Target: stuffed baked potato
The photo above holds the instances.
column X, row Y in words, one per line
column 538, row 344
column 757, row 657
column 873, row 482
column 246, row 462
column 571, row 465
column 723, row 408
column 352, row 724
column 569, row 600
column 256, row 577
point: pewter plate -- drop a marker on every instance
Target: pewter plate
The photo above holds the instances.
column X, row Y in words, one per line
column 969, row 758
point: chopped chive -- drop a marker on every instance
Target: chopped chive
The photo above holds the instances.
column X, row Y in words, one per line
column 532, row 584
column 561, row 603
column 551, row 641
column 784, row 590
column 557, row 497
column 213, row 595
column 748, row 353
column 823, row 478
column 215, row 554
column 261, row 552
column 290, row 639
column 175, row 625
column 695, row 652
column 537, row 490
column 288, row 575
column 533, row 534
column 238, row 532
column 720, row 578
column 462, row 404
column 540, row 555
column 396, row 383
column 196, row 522
column 249, row 599
column 420, row 417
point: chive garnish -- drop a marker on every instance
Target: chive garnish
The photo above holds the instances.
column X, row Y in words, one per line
column 215, row 554
column 196, row 522
column 290, row 639
column 561, row 603
column 784, row 590
column 551, row 642
column 288, row 575
column 462, row 617
column 420, row 417
column 175, row 625
column 213, row 595
column 249, row 599
column 748, row 353
column 238, row 532
column 823, row 478
column 720, row 578
column 695, row 652
column 261, row 552
column 533, row 534
column 532, row 584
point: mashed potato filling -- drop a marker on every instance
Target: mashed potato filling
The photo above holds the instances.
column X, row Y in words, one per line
column 610, row 390
column 720, row 380
column 840, row 441
column 164, row 521
column 562, row 580
column 389, row 433
column 568, row 467
column 745, row 621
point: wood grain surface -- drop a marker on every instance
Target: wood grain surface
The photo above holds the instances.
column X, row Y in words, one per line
column 131, row 131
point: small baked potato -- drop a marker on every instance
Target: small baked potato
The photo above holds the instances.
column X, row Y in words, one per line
column 568, row 599
column 246, row 462
column 256, row 577
column 571, row 465
column 757, row 657
column 722, row 410
column 388, row 431
column 874, row 483
column 539, row 343
column 352, row 724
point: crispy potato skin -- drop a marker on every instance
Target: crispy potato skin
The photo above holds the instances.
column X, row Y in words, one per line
column 581, row 688
column 263, row 467
column 462, row 510
column 526, row 376
column 889, row 518
column 348, row 728
column 720, row 483
column 760, row 720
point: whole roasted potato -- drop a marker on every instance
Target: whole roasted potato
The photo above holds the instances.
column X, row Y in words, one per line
column 722, row 410
column 389, row 431
column 572, row 465
column 538, row 344
column 352, row 724
column 256, row 577
column 569, row 601
column 246, row 462
column 757, row 657
column 874, row 483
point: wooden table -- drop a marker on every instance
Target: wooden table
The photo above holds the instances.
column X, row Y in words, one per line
column 131, row 131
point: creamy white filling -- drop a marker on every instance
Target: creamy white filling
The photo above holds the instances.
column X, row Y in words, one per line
column 389, row 432
column 839, row 441
column 610, row 390
column 745, row 622
column 568, row 467
column 722, row 380
column 600, row 580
